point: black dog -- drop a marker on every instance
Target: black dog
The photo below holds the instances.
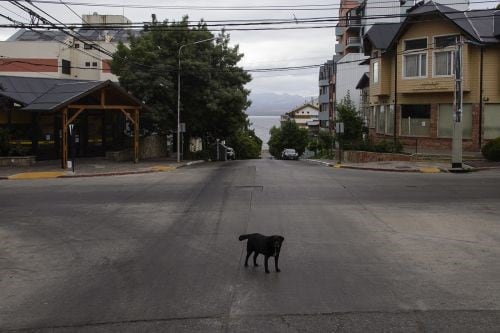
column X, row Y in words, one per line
column 269, row 246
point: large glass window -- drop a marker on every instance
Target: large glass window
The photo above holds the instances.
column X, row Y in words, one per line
column 415, row 120
column 390, row 119
column 415, row 65
column 443, row 63
column 380, row 118
column 445, row 121
column 491, row 121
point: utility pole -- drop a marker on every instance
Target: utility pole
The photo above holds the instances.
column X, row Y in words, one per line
column 456, row 146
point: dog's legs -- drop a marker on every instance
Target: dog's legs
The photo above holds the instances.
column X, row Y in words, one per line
column 255, row 259
column 276, row 263
column 248, row 256
column 266, row 265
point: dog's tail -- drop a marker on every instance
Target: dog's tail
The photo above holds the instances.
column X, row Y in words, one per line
column 243, row 237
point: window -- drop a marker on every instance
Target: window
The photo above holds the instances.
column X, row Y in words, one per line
column 491, row 121
column 380, row 114
column 414, row 62
column 443, row 63
column 87, row 46
column 94, row 64
column 445, row 41
column 66, row 67
column 443, row 60
column 87, row 64
column 445, row 121
column 415, row 65
column 415, row 120
column 389, row 129
column 415, row 44
column 77, row 45
column 375, row 72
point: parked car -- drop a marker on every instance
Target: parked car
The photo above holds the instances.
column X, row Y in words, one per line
column 230, row 153
column 289, row 154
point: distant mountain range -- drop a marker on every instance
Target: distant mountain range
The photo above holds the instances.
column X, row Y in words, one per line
column 270, row 104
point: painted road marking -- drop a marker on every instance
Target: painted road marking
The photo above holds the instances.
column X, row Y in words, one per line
column 37, row 175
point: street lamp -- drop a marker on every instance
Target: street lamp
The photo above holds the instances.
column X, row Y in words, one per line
column 179, row 95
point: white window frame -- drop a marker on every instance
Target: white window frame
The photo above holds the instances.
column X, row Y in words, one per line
column 445, row 50
column 451, row 49
column 376, row 71
column 419, row 52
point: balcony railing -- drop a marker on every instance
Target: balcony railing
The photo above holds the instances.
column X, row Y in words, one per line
column 339, row 48
column 353, row 22
column 339, row 31
column 353, row 42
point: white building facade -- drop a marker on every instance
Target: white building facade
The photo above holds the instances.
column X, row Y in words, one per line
column 53, row 54
column 349, row 71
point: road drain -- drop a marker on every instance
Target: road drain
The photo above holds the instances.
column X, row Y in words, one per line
column 258, row 188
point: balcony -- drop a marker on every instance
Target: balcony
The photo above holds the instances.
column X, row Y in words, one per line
column 339, row 48
column 353, row 23
column 353, row 42
column 339, row 30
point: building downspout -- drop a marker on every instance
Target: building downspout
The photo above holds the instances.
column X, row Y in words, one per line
column 480, row 136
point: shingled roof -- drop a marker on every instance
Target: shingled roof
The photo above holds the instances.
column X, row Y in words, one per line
column 46, row 94
column 477, row 25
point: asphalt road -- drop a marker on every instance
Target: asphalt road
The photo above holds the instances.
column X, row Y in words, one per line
column 364, row 251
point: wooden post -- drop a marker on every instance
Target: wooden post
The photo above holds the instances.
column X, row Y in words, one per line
column 136, row 136
column 64, row 123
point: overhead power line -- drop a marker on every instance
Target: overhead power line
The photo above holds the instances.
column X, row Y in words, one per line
column 294, row 7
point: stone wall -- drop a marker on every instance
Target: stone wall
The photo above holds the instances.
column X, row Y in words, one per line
column 154, row 146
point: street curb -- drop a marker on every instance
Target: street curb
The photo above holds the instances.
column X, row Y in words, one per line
column 120, row 173
column 341, row 166
column 374, row 169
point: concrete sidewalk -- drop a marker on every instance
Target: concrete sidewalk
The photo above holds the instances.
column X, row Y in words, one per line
column 430, row 166
column 90, row 167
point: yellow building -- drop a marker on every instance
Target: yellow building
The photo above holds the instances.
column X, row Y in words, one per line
column 412, row 76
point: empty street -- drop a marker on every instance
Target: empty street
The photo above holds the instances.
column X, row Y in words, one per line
column 363, row 251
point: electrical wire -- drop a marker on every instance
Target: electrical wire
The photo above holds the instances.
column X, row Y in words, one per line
column 309, row 7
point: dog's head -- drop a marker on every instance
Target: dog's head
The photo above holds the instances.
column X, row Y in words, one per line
column 277, row 242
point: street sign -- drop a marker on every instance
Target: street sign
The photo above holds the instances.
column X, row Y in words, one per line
column 182, row 127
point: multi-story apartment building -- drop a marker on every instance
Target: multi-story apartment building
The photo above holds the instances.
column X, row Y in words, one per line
column 84, row 55
column 412, row 76
column 327, row 80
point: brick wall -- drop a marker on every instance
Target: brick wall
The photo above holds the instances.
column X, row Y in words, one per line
column 353, row 156
column 433, row 142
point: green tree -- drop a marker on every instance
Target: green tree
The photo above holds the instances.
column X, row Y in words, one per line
column 213, row 97
column 289, row 135
column 246, row 144
column 353, row 123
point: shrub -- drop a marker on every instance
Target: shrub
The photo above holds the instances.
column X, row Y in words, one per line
column 491, row 150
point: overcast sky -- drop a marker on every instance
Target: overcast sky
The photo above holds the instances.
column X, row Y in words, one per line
column 262, row 49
